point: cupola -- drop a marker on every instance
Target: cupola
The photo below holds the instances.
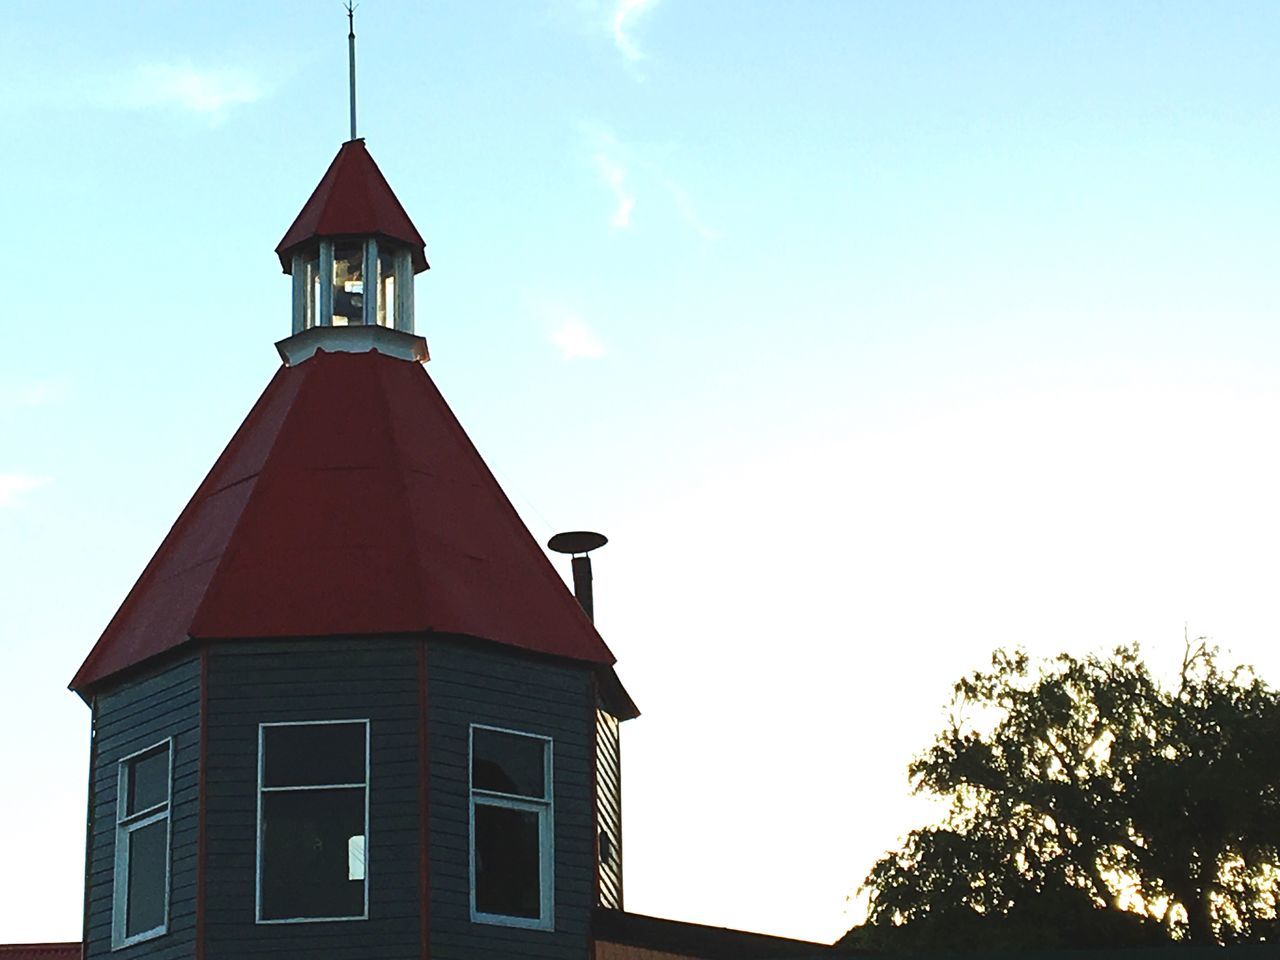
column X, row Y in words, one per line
column 353, row 254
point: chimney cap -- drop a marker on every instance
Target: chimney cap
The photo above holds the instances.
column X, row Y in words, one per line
column 577, row 541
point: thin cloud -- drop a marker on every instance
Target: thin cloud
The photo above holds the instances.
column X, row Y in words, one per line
column 630, row 170
column 625, row 15
column 680, row 197
column 14, row 485
column 209, row 91
column 576, row 340
column 33, row 393
column 614, row 177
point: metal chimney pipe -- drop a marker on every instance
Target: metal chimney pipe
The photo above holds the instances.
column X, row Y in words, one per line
column 579, row 543
column 582, row 585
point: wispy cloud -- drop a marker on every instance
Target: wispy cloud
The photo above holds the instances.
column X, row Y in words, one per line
column 573, row 337
column 630, row 170
column 625, row 15
column 680, row 197
column 614, row 177
column 14, row 485
column 32, row 393
column 181, row 85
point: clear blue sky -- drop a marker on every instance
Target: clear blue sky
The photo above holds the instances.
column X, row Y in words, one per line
column 873, row 334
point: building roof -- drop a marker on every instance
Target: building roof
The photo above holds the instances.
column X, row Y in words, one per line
column 350, row 502
column 620, row 935
column 40, row 951
column 353, row 198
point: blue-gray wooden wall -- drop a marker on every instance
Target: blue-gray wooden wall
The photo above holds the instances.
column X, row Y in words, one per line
column 253, row 682
column 469, row 684
column 140, row 712
column 263, row 682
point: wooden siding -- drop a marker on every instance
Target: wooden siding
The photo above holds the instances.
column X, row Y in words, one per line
column 468, row 683
column 261, row 682
column 609, row 806
column 129, row 717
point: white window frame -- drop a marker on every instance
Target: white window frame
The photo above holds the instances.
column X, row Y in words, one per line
column 545, row 809
column 126, row 824
column 262, row 754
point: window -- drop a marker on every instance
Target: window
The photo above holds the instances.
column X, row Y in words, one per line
column 512, row 828
column 348, row 285
column 140, row 907
column 313, row 821
column 311, row 288
column 386, row 288
column 352, row 266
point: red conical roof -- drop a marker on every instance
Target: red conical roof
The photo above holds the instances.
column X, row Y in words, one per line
column 350, row 502
column 353, row 198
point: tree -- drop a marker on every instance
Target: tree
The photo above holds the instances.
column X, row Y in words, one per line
column 1089, row 804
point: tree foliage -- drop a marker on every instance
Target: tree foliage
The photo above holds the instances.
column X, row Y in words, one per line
column 1089, row 804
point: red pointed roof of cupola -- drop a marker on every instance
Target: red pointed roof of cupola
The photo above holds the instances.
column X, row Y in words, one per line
column 349, row 503
column 353, row 198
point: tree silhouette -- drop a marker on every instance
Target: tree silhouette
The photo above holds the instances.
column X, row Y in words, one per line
column 1092, row 805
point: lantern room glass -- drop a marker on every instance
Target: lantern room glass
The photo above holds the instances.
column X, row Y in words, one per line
column 311, row 286
column 386, row 289
column 340, row 301
column 348, row 285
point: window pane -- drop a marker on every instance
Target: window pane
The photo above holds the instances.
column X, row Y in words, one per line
column 508, row 763
column 508, row 874
column 148, row 781
column 313, row 754
column 386, row 289
column 147, row 855
column 312, row 284
column 306, row 849
column 348, row 285
column 355, row 858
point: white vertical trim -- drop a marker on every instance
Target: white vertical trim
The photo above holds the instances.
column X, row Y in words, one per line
column 404, row 291
column 368, row 791
column 126, row 824
column 324, row 309
column 257, row 853
column 299, row 274
column 548, row 839
column 370, row 271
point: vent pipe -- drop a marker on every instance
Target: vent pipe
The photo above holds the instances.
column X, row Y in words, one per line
column 578, row 544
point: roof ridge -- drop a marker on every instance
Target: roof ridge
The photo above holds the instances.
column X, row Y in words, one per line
column 512, row 516
column 386, row 184
column 203, row 491
column 420, row 577
column 230, row 548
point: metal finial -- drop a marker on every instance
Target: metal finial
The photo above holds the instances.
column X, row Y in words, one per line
column 351, row 60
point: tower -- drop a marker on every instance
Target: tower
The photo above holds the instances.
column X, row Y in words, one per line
column 349, row 709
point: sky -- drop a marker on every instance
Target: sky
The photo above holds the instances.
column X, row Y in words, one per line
column 875, row 335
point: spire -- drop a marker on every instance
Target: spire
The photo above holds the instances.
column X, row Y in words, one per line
column 353, row 253
column 351, row 61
